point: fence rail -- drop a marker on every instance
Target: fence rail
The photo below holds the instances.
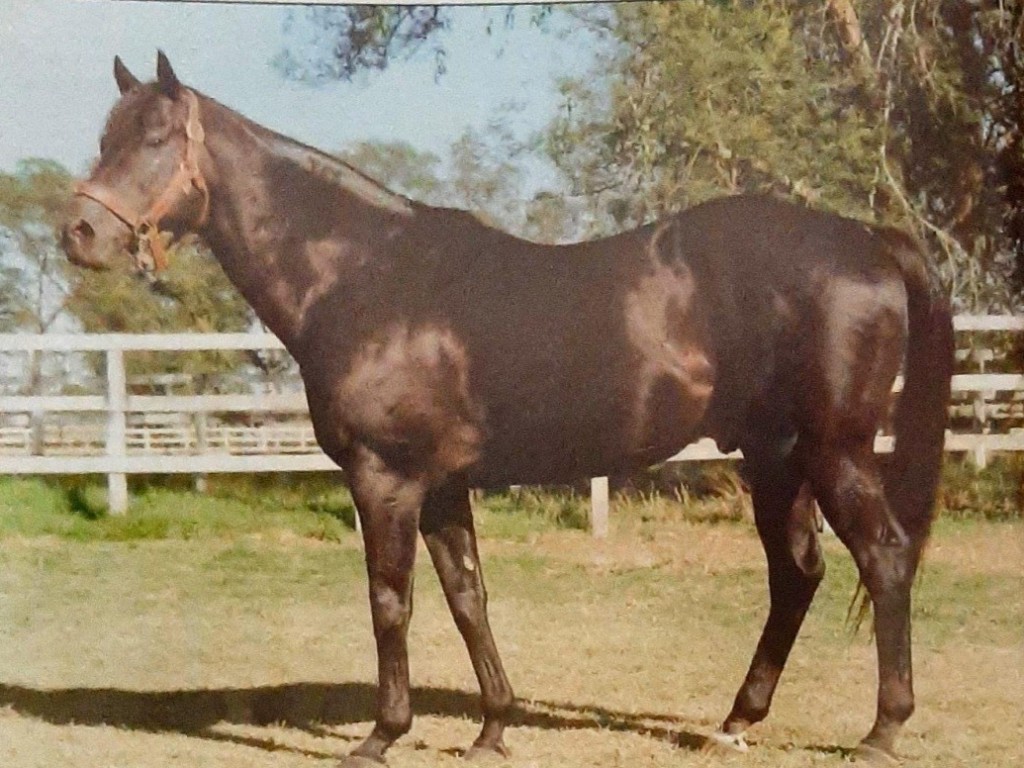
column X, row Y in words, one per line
column 125, row 449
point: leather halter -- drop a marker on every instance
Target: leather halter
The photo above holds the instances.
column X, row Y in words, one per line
column 150, row 253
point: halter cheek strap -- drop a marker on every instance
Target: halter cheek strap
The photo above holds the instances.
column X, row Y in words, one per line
column 150, row 253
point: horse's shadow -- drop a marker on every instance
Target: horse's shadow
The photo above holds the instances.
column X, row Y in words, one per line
column 312, row 707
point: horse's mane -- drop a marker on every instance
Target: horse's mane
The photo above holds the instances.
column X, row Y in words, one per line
column 320, row 164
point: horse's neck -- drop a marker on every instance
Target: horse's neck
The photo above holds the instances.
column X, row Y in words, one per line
column 290, row 225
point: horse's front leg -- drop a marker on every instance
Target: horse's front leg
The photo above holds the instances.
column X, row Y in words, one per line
column 389, row 504
column 447, row 527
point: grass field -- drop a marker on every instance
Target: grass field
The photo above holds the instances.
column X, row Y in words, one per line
column 195, row 632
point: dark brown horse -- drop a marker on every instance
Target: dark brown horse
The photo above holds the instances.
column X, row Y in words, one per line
column 440, row 354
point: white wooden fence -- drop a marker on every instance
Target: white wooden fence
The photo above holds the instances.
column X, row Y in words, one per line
column 289, row 447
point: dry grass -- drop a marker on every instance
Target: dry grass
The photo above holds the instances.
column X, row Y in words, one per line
column 258, row 652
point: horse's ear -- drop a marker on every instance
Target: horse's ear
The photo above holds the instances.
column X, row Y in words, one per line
column 125, row 79
column 165, row 77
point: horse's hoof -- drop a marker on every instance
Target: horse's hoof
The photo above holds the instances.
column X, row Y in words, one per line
column 481, row 754
column 728, row 743
column 360, row 761
column 865, row 753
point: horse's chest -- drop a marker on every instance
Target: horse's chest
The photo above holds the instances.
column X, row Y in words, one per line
column 404, row 393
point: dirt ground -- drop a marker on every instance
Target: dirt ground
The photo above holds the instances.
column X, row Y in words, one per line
column 258, row 652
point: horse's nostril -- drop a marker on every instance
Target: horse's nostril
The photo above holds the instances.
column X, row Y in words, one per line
column 83, row 231
column 77, row 238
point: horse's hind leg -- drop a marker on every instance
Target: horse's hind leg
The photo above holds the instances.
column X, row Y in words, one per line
column 389, row 506
column 849, row 488
column 786, row 522
column 447, row 527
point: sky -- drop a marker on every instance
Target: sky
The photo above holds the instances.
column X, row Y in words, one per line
column 56, row 82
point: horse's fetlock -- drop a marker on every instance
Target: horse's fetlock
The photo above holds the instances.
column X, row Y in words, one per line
column 499, row 704
column 394, row 725
column 747, row 710
column 897, row 708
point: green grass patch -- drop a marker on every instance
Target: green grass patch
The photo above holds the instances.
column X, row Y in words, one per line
column 318, row 506
column 76, row 509
column 518, row 514
column 993, row 493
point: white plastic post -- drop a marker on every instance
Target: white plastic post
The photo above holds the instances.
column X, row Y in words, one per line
column 599, row 507
column 117, row 402
column 981, row 356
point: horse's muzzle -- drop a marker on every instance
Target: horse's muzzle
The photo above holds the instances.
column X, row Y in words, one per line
column 78, row 239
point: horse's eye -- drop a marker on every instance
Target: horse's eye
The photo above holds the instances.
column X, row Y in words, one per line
column 156, row 140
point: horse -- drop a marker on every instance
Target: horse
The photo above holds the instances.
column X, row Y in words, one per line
column 440, row 354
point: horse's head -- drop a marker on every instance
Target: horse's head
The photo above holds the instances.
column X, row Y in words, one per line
column 147, row 177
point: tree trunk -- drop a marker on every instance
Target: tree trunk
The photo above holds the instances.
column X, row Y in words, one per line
column 855, row 46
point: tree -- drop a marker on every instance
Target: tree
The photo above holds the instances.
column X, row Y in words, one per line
column 343, row 40
column 8, row 297
column 944, row 78
column 33, row 277
column 33, row 273
column 400, row 167
column 338, row 42
column 704, row 99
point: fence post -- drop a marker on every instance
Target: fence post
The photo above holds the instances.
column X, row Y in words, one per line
column 37, row 419
column 599, row 507
column 199, row 423
column 117, row 403
column 980, row 455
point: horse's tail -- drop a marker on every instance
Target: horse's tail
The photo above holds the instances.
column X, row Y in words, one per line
column 913, row 473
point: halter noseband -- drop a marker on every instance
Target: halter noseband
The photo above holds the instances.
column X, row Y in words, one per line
column 150, row 253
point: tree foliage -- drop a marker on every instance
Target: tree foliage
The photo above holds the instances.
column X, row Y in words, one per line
column 340, row 41
column 33, row 273
column 706, row 99
column 336, row 42
column 400, row 167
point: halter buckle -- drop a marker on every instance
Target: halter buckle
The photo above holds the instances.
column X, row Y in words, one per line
column 149, row 255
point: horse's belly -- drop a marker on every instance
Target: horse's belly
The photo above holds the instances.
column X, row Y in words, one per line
column 605, row 427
